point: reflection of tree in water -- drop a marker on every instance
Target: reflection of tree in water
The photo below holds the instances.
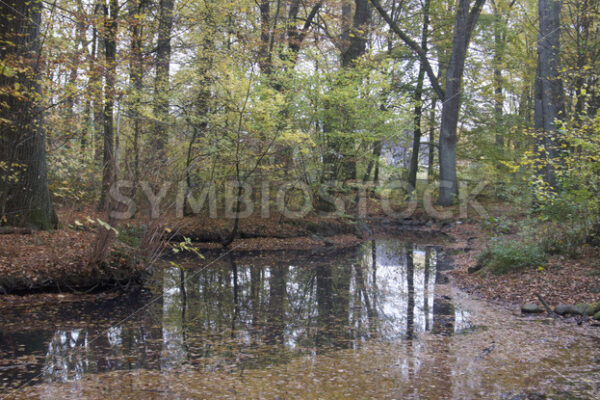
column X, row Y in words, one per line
column 70, row 353
column 63, row 364
column 174, row 304
column 333, row 295
column 400, row 280
column 410, row 303
column 276, row 318
column 250, row 312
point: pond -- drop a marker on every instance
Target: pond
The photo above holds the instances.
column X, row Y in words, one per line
column 375, row 321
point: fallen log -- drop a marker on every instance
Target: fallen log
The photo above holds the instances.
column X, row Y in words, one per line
column 14, row 229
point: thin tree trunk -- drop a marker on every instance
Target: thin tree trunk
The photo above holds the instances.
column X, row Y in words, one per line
column 161, row 88
column 414, row 160
column 136, row 70
column 410, row 285
column 110, row 51
column 74, row 67
column 96, row 86
column 264, row 53
column 498, row 82
column 431, row 151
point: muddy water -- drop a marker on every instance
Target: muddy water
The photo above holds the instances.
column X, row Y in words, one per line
column 377, row 321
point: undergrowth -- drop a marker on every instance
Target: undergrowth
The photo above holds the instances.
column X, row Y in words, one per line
column 503, row 256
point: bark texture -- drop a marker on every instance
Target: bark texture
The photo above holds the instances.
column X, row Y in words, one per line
column 24, row 196
column 161, row 86
column 466, row 18
column 549, row 105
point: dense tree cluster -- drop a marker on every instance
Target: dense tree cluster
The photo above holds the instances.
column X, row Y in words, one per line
column 308, row 91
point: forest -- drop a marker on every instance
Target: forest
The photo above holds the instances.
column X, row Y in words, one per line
column 238, row 161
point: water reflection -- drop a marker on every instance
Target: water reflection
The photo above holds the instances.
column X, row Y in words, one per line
column 250, row 312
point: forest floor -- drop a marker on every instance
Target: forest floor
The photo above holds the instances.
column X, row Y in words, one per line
column 562, row 280
column 60, row 260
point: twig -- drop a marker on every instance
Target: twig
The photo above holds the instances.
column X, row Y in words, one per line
column 548, row 310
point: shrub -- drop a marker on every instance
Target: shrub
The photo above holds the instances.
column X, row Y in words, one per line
column 565, row 239
column 504, row 256
column 498, row 225
column 131, row 235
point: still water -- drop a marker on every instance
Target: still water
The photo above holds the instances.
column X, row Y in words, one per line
column 376, row 321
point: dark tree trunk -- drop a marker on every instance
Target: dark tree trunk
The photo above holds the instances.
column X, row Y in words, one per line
column 548, row 88
column 198, row 129
column 110, row 52
column 264, row 48
column 136, row 70
column 296, row 35
column 324, row 294
column 355, row 37
column 161, row 87
column 95, row 87
column 355, row 41
column 414, row 159
column 499, row 38
column 276, row 307
column 410, row 303
column 24, row 196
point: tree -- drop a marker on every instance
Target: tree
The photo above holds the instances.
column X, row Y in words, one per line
column 355, row 42
column 161, row 84
column 24, row 195
column 339, row 161
column 414, row 158
column 110, row 52
column 499, row 49
column 549, row 105
column 136, row 70
column 465, row 19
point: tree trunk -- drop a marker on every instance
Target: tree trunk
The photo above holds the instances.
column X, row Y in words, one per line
column 95, row 87
column 161, row 87
column 110, row 52
column 354, row 46
column 355, row 40
column 264, row 49
column 431, row 150
column 499, row 38
column 466, row 18
column 410, row 285
column 548, row 88
column 465, row 22
column 414, row 160
column 24, row 196
column 136, row 70
column 355, row 37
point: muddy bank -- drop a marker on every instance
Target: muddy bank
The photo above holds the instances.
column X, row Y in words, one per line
column 59, row 261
